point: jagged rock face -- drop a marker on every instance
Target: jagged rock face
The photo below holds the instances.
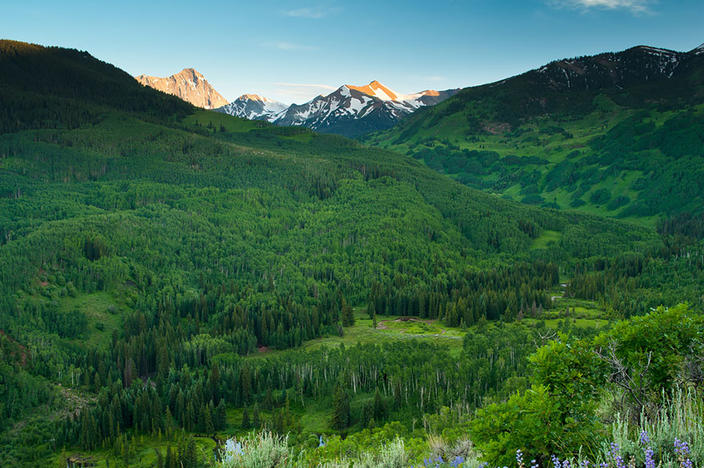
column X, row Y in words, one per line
column 356, row 110
column 189, row 85
column 253, row 107
column 349, row 110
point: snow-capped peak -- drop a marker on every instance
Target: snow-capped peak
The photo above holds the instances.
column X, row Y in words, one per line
column 254, row 97
column 349, row 110
column 253, row 107
column 377, row 90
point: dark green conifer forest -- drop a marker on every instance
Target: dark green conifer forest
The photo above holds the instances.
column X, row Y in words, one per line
column 175, row 281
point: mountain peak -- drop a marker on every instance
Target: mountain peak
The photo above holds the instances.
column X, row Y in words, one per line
column 253, row 97
column 698, row 50
column 190, row 71
column 378, row 90
column 253, row 107
column 430, row 92
column 188, row 84
column 655, row 50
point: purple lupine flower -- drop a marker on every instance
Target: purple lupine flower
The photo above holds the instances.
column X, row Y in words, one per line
column 534, row 464
column 519, row 457
column 681, row 447
column 644, row 439
column 649, row 458
column 555, row 461
column 682, row 452
column 616, row 455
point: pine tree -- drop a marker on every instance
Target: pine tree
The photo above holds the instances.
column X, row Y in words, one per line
column 246, row 424
column 268, row 399
column 256, row 418
column 347, row 314
column 379, row 407
column 220, row 416
column 340, row 407
column 208, row 425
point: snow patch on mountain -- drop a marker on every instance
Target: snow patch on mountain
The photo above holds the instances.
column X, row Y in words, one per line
column 349, row 110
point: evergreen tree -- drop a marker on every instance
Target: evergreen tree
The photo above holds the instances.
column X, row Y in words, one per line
column 220, row 416
column 256, row 418
column 347, row 314
column 340, row 407
column 246, row 424
column 379, row 408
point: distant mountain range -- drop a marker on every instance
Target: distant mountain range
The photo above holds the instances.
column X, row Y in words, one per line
column 349, row 110
column 254, row 107
column 188, row 85
column 616, row 134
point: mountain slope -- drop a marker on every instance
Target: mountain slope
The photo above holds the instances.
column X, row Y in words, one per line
column 140, row 248
column 253, row 107
column 50, row 87
column 350, row 110
column 618, row 134
column 189, row 85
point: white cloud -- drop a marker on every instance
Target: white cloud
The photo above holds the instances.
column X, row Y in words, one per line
column 310, row 12
column 301, row 92
column 288, row 46
column 634, row 6
column 305, row 85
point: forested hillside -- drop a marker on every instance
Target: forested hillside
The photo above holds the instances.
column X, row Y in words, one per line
column 158, row 261
column 618, row 135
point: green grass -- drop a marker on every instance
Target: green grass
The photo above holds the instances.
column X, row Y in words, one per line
column 230, row 124
column 633, row 170
column 104, row 315
column 143, row 452
column 546, row 239
column 389, row 328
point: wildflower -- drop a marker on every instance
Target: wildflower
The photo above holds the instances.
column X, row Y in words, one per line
column 457, row 461
column 534, row 464
column 616, row 455
column 519, row 458
column 682, row 452
column 555, row 461
column 644, row 439
column 649, row 458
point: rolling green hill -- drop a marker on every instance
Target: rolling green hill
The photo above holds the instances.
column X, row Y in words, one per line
column 614, row 134
column 149, row 250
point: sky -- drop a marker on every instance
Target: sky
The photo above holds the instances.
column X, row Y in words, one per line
column 292, row 51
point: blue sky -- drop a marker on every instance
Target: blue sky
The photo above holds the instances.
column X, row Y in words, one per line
column 294, row 50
